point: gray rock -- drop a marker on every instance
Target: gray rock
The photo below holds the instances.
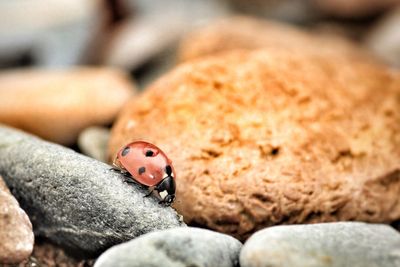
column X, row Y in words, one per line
column 76, row 201
column 159, row 25
column 93, row 142
column 287, row 10
column 177, row 247
column 384, row 38
column 343, row 244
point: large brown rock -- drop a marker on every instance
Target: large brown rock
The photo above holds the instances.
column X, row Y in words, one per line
column 249, row 33
column 16, row 236
column 58, row 104
column 268, row 137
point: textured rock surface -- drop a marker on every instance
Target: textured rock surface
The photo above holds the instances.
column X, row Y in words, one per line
column 74, row 200
column 250, row 33
column 15, row 229
column 269, row 137
column 384, row 38
column 323, row 245
column 93, row 142
column 177, row 247
column 58, row 104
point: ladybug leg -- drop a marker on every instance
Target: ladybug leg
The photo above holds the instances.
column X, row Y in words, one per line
column 149, row 192
column 129, row 181
column 115, row 169
column 126, row 174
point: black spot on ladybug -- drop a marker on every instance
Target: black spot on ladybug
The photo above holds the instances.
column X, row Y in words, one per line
column 141, row 170
column 168, row 170
column 125, row 151
column 149, row 153
column 275, row 151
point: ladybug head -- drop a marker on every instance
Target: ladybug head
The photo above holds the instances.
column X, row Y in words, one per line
column 167, row 186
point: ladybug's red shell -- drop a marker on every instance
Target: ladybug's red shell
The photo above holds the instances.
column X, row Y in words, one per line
column 145, row 162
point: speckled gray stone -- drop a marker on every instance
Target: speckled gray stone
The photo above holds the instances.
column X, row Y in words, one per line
column 76, row 201
column 343, row 244
column 178, row 247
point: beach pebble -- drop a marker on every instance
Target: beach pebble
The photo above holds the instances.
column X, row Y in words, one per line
column 15, row 229
column 93, row 142
column 384, row 38
column 175, row 248
column 323, row 245
column 58, row 104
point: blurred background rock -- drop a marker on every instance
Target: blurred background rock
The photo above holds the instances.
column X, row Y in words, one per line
column 141, row 36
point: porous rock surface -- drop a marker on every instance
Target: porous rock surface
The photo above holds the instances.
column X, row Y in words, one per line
column 267, row 137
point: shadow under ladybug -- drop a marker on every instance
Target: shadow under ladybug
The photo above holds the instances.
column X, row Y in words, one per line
column 147, row 165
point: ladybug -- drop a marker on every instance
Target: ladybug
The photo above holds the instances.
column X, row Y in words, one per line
column 148, row 165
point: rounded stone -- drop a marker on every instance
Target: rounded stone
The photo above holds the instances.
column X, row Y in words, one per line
column 178, row 247
column 93, row 142
column 384, row 38
column 274, row 136
column 57, row 104
column 323, row 245
column 248, row 33
column 15, row 229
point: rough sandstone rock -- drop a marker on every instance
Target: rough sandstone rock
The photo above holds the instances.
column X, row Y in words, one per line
column 268, row 137
column 76, row 201
column 249, row 33
column 323, row 245
column 15, row 229
column 58, row 104
column 177, row 247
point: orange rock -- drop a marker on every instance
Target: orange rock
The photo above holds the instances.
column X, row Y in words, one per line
column 250, row 33
column 268, row 137
column 15, row 229
column 58, row 104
